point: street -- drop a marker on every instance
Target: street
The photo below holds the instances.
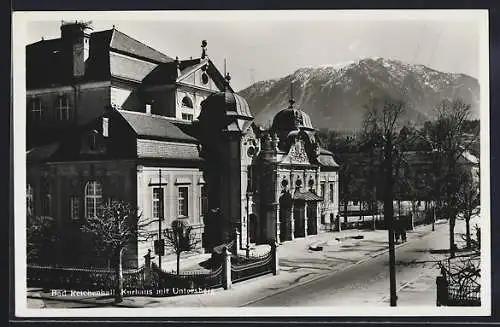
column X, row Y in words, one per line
column 354, row 272
column 367, row 282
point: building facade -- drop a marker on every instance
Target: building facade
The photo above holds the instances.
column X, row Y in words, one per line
column 111, row 118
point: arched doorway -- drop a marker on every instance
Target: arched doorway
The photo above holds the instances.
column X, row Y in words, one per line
column 285, row 214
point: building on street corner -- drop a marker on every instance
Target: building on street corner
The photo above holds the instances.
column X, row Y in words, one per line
column 108, row 117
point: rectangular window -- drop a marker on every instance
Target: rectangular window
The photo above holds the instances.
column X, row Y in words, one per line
column 203, row 201
column 187, row 117
column 322, row 185
column 148, row 108
column 331, row 193
column 105, row 127
column 36, row 110
column 74, row 207
column 46, row 205
column 63, row 108
column 183, row 201
column 157, row 203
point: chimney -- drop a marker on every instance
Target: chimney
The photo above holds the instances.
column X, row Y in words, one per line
column 75, row 38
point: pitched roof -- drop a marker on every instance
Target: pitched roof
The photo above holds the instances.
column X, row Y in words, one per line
column 109, row 50
column 167, row 72
column 326, row 158
column 41, row 153
column 306, row 196
column 129, row 68
column 124, row 43
column 155, row 127
column 152, row 149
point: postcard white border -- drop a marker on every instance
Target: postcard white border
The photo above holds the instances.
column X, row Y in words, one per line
column 19, row 22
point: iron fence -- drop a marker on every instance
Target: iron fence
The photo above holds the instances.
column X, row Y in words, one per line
column 187, row 280
column 459, row 295
column 81, row 278
column 243, row 268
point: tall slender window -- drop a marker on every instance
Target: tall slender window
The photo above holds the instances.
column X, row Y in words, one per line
column 322, row 190
column 203, row 201
column 183, row 201
column 74, row 207
column 93, row 199
column 36, row 110
column 157, row 203
column 46, row 197
column 47, row 205
column 63, row 108
column 331, row 193
column 29, row 200
column 105, row 127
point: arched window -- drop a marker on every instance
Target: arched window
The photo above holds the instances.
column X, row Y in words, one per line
column 186, row 102
column 30, row 207
column 36, row 110
column 93, row 140
column 93, row 198
column 63, row 108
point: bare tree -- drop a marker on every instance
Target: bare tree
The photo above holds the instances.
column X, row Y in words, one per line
column 384, row 128
column 180, row 238
column 447, row 136
column 113, row 229
column 468, row 201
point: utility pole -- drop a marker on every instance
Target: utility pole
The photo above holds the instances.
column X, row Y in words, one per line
column 160, row 218
column 389, row 214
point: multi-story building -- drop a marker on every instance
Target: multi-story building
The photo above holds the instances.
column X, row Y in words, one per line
column 111, row 118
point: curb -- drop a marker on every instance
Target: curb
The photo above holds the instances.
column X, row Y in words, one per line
column 379, row 253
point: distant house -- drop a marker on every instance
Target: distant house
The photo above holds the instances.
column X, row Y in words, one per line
column 361, row 181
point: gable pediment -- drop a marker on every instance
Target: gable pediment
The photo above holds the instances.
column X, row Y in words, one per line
column 200, row 77
column 297, row 154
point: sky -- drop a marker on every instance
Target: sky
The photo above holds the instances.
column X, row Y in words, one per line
column 259, row 46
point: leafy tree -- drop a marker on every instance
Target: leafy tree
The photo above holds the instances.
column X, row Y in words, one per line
column 116, row 226
column 180, row 238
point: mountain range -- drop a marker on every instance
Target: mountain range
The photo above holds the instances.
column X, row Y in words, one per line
column 335, row 96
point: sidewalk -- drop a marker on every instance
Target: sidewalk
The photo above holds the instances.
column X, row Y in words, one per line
column 298, row 265
column 422, row 290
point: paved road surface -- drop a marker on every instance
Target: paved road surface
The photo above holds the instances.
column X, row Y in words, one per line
column 365, row 283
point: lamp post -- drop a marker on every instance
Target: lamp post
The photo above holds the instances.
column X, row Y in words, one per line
column 160, row 218
column 389, row 215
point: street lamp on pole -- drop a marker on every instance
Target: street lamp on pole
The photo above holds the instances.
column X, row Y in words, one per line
column 389, row 216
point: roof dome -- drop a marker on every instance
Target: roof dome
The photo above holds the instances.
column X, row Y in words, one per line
column 231, row 102
column 291, row 118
